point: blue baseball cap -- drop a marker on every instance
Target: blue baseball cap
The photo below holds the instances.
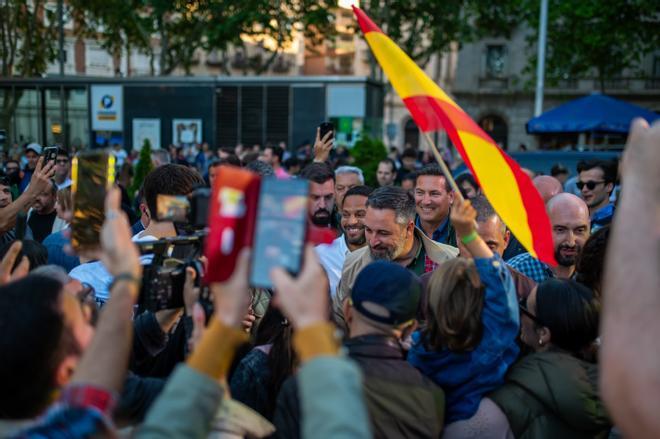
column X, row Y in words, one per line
column 386, row 293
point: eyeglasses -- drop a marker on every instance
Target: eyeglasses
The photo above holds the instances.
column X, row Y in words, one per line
column 522, row 304
column 591, row 185
column 61, row 162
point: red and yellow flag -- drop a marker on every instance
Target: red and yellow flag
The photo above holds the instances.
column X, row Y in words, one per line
column 506, row 186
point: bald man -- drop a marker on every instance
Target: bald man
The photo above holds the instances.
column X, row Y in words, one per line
column 569, row 217
column 547, row 186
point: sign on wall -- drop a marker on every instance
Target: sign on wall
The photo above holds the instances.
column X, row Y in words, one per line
column 146, row 129
column 186, row 131
column 107, row 108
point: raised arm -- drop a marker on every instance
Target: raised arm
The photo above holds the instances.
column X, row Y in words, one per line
column 500, row 314
column 342, row 412
column 39, row 182
column 105, row 362
column 630, row 357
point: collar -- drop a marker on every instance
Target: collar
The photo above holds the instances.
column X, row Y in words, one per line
column 439, row 234
column 603, row 213
column 375, row 346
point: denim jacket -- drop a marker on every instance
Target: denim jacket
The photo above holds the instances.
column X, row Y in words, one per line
column 467, row 376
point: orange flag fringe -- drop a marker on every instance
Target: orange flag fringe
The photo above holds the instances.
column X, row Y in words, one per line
column 502, row 181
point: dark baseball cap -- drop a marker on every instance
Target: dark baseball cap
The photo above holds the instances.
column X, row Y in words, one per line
column 386, row 293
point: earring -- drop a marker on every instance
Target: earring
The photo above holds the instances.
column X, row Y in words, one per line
column 540, row 342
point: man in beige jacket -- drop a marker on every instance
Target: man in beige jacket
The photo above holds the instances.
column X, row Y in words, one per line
column 391, row 235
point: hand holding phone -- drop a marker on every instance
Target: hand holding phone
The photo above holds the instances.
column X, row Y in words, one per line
column 280, row 230
column 93, row 175
column 50, row 154
column 325, row 138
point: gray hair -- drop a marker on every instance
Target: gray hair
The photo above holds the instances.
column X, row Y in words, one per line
column 350, row 170
column 394, row 198
column 485, row 210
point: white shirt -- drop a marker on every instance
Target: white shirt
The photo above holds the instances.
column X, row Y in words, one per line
column 98, row 277
column 332, row 257
column 65, row 184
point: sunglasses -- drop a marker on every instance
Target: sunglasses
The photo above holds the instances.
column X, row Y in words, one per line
column 591, row 185
column 522, row 304
column 61, row 162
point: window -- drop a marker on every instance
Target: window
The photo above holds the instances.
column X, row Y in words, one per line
column 497, row 129
column 495, row 61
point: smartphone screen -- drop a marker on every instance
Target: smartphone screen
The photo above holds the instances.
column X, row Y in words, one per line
column 324, row 128
column 93, row 175
column 173, row 208
column 50, row 154
column 280, row 229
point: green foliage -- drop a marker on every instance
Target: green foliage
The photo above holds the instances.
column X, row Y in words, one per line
column 143, row 168
column 595, row 38
column 27, row 43
column 423, row 28
column 186, row 26
column 367, row 153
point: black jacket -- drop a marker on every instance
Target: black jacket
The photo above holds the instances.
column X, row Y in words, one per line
column 401, row 401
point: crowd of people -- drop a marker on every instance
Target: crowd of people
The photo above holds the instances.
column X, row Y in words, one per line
column 425, row 317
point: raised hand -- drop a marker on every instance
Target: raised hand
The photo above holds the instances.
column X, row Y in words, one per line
column 322, row 147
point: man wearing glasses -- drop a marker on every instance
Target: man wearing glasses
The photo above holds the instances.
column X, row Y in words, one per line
column 596, row 179
column 62, row 169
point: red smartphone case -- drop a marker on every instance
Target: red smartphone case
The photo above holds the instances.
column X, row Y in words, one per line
column 232, row 216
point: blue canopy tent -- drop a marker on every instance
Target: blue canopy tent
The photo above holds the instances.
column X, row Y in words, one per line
column 596, row 113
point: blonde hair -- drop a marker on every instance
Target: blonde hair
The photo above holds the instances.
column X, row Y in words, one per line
column 456, row 300
column 65, row 199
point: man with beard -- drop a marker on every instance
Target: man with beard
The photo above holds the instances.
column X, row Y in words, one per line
column 321, row 193
column 42, row 219
column 569, row 217
column 391, row 235
column 332, row 256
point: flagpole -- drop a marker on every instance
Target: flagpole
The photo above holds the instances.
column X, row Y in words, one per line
column 443, row 166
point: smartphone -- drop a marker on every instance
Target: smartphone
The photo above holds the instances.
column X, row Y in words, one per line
column 280, row 229
column 232, row 213
column 324, row 128
column 50, row 154
column 93, row 175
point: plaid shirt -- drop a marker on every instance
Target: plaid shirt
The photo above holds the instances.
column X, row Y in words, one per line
column 81, row 411
column 531, row 267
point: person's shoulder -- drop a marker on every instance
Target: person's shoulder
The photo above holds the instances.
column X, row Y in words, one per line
column 357, row 257
column 520, row 259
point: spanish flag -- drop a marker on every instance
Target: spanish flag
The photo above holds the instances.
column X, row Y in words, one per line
column 506, row 186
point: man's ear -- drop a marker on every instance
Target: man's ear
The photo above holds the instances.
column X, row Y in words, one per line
column 507, row 238
column 65, row 370
column 411, row 227
column 609, row 187
column 408, row 330
column 347, row 309
column 452, row 196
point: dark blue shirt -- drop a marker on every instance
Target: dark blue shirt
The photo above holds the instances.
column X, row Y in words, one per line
column 441, row 234
column 55, row 243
